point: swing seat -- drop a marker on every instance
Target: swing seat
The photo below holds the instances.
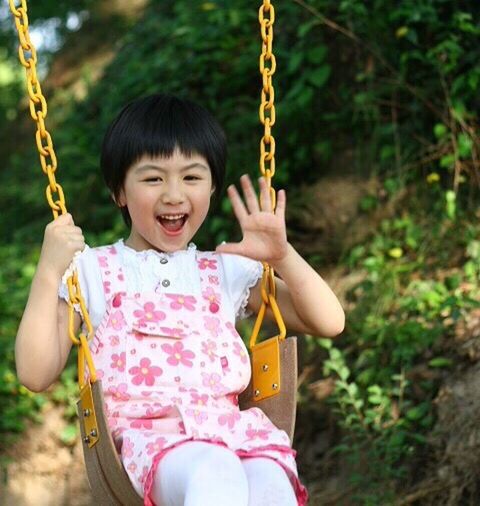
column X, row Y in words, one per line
column 107, row 477
column 280, row 408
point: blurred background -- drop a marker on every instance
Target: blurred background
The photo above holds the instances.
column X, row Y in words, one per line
column 378, row 147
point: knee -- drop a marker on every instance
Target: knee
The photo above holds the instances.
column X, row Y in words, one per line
column 218, row 463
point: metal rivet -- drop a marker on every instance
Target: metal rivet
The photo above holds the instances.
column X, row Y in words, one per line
column 86, row 439
column 86, row 412
column 164, row 260
column 93, row 432
column 265, row 367
column 257, row 393
column 165, row 282
column 274, row 386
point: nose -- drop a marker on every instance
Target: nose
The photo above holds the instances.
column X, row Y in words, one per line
column 173, row 193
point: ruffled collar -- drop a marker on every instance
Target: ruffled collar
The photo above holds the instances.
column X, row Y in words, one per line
column 152, row 252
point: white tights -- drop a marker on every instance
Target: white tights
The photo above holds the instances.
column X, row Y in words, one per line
column 203, row 474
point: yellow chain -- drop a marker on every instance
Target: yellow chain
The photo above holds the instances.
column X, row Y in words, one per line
column 266, row 17
column 48, row 160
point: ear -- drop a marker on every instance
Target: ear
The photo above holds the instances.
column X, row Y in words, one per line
column 120, row 200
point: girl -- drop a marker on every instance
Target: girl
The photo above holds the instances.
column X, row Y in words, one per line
column 165, row 345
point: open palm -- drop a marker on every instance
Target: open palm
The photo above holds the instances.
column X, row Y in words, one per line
column 264, row 231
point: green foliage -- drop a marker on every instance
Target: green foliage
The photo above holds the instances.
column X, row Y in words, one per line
column 395, row 351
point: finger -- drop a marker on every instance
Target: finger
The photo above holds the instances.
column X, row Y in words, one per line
column 281, row 204
column 249, row 194
column 64, row 219
column 238, row 207
column 265, row 197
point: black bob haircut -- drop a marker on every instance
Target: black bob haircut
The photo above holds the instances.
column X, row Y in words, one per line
column 154, row 126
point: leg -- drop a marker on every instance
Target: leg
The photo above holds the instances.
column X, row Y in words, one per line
column 268, row 483
column 199, row 474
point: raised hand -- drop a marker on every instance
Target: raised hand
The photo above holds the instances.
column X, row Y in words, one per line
column 62, row 239
column 264, row 231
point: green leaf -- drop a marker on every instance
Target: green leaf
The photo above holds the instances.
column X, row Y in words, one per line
column 69, row 434
column 440, row 130
column 440, row 362
column 317, row 54
column 465, row 144
column 320, row 76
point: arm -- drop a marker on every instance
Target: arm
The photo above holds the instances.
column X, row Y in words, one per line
column 42, row 344
column 307, row 303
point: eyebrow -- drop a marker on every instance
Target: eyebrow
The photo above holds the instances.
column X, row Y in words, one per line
column 148, row 166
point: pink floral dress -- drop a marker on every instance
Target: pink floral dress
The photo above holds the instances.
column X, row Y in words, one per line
column 172, row 366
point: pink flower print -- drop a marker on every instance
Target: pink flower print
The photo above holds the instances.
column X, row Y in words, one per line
column 144, row 475
column 211, row 295
column 232, row 329
column 103, row 261
column 118, row 361
column 253, row 433
column 199, row 416
column 119, row 393
column 116, row 320
column 178, row 354
column 141, row 423
column 145, row 372
column 106, row 286
column 213, row 381
column 177, row 400
column 179, row 301
column 173, row 332
column 213, row 299
column 213, row 279
column 127, row 448
column 207, row 263
column 238, row 350
column 132, row 467
column 114, row 340
column 212, row 324
column 148, row 314
column 209, row 347
column 157, row 446
column 230, row 419
column 112, row 250
column 199, row 400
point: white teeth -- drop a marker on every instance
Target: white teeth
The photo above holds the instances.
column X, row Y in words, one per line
column 172, row 216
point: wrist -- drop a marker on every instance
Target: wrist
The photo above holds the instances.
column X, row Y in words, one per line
column 48, row 274
column 280, row 263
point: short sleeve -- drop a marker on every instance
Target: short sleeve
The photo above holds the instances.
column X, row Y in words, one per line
column 90, row 281
column 241, row 274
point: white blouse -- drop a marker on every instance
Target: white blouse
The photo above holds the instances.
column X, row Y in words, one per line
column 143, row 271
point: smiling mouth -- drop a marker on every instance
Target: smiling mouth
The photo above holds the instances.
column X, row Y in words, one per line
column 172, row 223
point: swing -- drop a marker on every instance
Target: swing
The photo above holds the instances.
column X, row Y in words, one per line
column 273, row 385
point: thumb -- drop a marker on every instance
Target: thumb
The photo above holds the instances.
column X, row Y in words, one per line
column 64, row 219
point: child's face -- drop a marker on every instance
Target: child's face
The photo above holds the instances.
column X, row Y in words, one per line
column 168, row 199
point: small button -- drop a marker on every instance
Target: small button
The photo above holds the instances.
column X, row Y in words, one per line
column 165, row 282
column 164, row 260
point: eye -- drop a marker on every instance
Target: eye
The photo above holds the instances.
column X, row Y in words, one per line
column 192, row 178
column 153, row 179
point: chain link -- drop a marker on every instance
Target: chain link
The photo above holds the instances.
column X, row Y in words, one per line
column 54, row 192
column 268, row 65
